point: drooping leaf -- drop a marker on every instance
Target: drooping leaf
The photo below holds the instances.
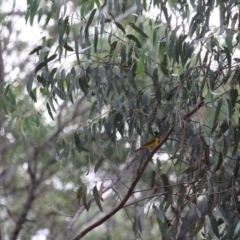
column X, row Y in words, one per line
column 133, row 38
column 31, row 92
column 79, row 144
column 49, row 111
column 40, row 66
column 120, row 27
column 90, row 20
column 220, row 161
column 138, row 30
column 95, row 39
column 113, row 47
column 97, row 198
column 159, row 212
column 84, row 197
column 79, row 195
column 131, row 80
column 98, row 164
column 36, row 50
column 68, row 48
column 214, row 225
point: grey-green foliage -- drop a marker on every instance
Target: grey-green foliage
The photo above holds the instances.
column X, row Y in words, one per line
column 152, row 73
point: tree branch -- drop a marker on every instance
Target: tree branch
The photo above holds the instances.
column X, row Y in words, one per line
column 129, row 193
column 133, row 185
column 82, row 208
column 26, row 208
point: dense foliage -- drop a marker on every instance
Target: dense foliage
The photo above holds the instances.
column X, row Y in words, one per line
column 109, row 74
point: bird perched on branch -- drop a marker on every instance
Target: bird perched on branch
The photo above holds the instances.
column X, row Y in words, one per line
column 152, row 143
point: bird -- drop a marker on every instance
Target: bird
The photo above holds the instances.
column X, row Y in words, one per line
column 152, row 143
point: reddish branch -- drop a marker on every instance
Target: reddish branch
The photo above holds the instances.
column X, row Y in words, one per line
column 129, row 193
column 134, row 183
column 22, row 218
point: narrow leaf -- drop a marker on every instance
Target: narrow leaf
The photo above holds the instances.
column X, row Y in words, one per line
column 49, row 111
column 37, row 49
column 133, row 38
column 159, row 212
column 84, row 197
column 220, row 161
column 67, row 47
column 131, row 80
column 78, row 143
column 29, row 84
column 138, row 30
column 98, row 164
column 90, row 20
column 113, row 46
column 40, row 66
column 222, row 214
column 77, row 52
column 95, row 39
column 219, row 105
column 120, row 27
column 79, row 195
column 214, row 225
column 52, row 57
column 96, row 198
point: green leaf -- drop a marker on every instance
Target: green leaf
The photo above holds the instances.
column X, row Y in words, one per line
column 131, row 80
column 84, row 84
column 96, row 198
column 164, row 65
column 61, row 30
column 40, row 66
column 220, row 161
column 90, row 20
column 37, row 49
column 78, row 143
column 137, row 29
column 95, row 39
column 113, row 46
column 93, row 110
column 237, row 167
column 222, row 214
column 102, row 23
column 236, row 141
column 140, row 68
column 153, row 179
column 120, row 27
column 159, row 212
column 133, row 38
column 29, row 88
column 52, row 57
column 229, row 112
column 77, row 52
column 117, row 148
column 87, row 64
column 219, row 105
column 49, row 111
column 40, row 13
column 233, row 96
column 84, row 197
column 98, row 164
column 102, row 74
column 7, row 89
column 97, row 3
column 11, row 98
column 59, row 93
column 68, row 48
column 214, row 226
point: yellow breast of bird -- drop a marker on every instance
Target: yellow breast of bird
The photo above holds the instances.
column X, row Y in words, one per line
column 151, row 144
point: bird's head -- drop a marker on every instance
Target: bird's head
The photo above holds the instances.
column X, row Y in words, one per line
column 157, row 134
